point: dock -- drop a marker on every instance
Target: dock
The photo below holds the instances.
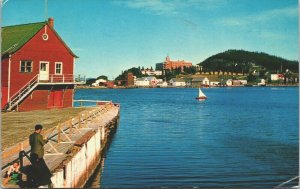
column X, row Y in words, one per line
column 75, row 147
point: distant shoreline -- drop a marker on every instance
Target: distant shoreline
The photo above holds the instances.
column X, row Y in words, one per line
column 123, row 87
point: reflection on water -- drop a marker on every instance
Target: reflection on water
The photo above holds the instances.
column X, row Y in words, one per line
column 242, row 137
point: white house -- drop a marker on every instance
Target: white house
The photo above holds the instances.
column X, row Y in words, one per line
column 152, row 72
column 98, row 81
column 229, row 82
column 162, row 84
column 262, row 82
column 152, row 81
column 177, row 82
column 243, row 82
column 235, row 82
column 275, row 77
column 142, row 82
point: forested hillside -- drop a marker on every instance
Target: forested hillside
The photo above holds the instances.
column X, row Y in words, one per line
column 240, row 61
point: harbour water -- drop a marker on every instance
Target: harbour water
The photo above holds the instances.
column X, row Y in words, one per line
column 239, row 137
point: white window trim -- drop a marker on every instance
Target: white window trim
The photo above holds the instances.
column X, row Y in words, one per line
column 61, row 68
column 20, row 65
column 48, row 64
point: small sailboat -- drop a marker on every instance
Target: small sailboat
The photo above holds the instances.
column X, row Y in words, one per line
column 201, row 95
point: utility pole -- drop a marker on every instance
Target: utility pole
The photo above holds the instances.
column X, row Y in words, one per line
column 46, row 13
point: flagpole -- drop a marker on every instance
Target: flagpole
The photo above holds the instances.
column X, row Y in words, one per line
column 46, row 13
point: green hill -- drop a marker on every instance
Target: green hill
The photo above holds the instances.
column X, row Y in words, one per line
column 241, row 61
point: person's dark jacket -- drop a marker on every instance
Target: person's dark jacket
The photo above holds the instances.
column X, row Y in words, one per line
column 37, row 143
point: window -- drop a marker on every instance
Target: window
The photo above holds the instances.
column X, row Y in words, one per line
column 58, row 68
column 43, row 67
column 26, row 66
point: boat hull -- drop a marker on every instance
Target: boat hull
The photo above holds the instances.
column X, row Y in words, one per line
column 201, row 98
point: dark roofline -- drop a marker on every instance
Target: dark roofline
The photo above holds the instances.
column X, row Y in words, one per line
column 45, row 22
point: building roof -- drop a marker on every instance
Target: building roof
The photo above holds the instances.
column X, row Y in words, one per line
column 188, row 79
column 142, row 79
column 151, row 77
column 15, row 37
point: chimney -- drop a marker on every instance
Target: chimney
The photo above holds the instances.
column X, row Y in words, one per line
column 51, row 22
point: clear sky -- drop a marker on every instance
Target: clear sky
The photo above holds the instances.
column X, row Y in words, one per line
column 111, row 36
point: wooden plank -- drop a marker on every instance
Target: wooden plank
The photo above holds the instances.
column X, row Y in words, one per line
column 94, row 119
column 84, row 138
column 53, row 162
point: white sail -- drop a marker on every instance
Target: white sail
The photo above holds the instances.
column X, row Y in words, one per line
column 201, row 94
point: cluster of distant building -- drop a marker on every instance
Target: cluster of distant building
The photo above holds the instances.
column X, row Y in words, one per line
column 152, row 81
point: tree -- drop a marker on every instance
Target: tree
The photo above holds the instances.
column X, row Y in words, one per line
column 102, row 77
column 189, row 70
column 251, row 77
column 262, row 74
column 135, row 71
column 122, row 77
column 90, row 81
column 169, row 74
column 243, row 61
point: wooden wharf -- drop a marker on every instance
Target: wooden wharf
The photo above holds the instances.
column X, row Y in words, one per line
column 75, row 146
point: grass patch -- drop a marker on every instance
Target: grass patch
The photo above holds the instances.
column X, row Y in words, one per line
column 17, row 126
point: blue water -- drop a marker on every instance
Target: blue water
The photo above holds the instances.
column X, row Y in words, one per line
column 239, row 137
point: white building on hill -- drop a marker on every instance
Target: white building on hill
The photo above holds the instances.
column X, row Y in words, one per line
column 142, row 82
column 152, row 72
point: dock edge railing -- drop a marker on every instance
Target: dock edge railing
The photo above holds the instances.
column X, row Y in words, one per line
column 73, row 123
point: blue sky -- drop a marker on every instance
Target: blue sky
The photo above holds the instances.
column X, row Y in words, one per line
column 111, row 36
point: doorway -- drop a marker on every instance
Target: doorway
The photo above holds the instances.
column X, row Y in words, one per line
column 55, row 98
column 44, row 71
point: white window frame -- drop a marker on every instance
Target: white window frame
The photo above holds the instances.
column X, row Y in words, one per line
column 61, row 68
column 25, row 66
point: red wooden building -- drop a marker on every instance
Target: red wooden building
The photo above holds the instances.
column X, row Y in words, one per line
column 171, row 64
column 37, row 68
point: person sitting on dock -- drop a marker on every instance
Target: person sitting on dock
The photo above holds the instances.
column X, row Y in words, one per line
column 13, row 175
column 41, row 172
